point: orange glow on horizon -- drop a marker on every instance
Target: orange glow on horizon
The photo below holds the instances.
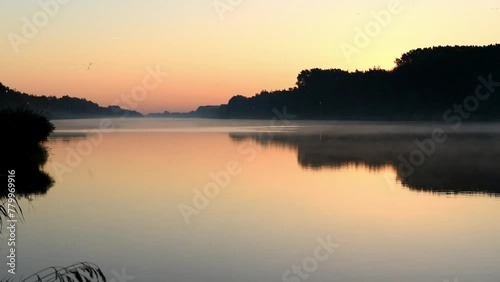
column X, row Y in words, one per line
column 257, row 46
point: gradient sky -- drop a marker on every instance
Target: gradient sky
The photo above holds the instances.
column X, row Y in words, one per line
column 258, row 45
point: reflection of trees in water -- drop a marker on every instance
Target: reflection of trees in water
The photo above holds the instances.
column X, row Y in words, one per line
column 27, row 160
column 465, row 163
column 24, row 151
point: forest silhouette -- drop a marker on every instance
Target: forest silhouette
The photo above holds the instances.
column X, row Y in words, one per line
column 423, row 85
column 59, row 108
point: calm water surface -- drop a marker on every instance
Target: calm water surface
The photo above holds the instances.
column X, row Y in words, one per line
column 117, row 196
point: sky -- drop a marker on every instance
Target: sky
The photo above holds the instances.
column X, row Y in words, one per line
column 106, row 50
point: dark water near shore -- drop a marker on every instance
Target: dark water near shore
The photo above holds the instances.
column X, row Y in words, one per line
column 200, row 200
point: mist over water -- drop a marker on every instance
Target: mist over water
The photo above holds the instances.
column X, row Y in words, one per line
column 275, row 125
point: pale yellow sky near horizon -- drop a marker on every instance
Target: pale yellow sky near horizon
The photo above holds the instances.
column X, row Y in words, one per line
column 213, row 50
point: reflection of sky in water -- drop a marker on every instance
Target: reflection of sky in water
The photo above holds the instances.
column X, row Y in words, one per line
column 119, row 208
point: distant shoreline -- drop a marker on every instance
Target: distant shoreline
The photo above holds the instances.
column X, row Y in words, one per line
column 450, row 83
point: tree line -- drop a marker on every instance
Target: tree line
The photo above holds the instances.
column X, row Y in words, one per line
column 423, row 84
